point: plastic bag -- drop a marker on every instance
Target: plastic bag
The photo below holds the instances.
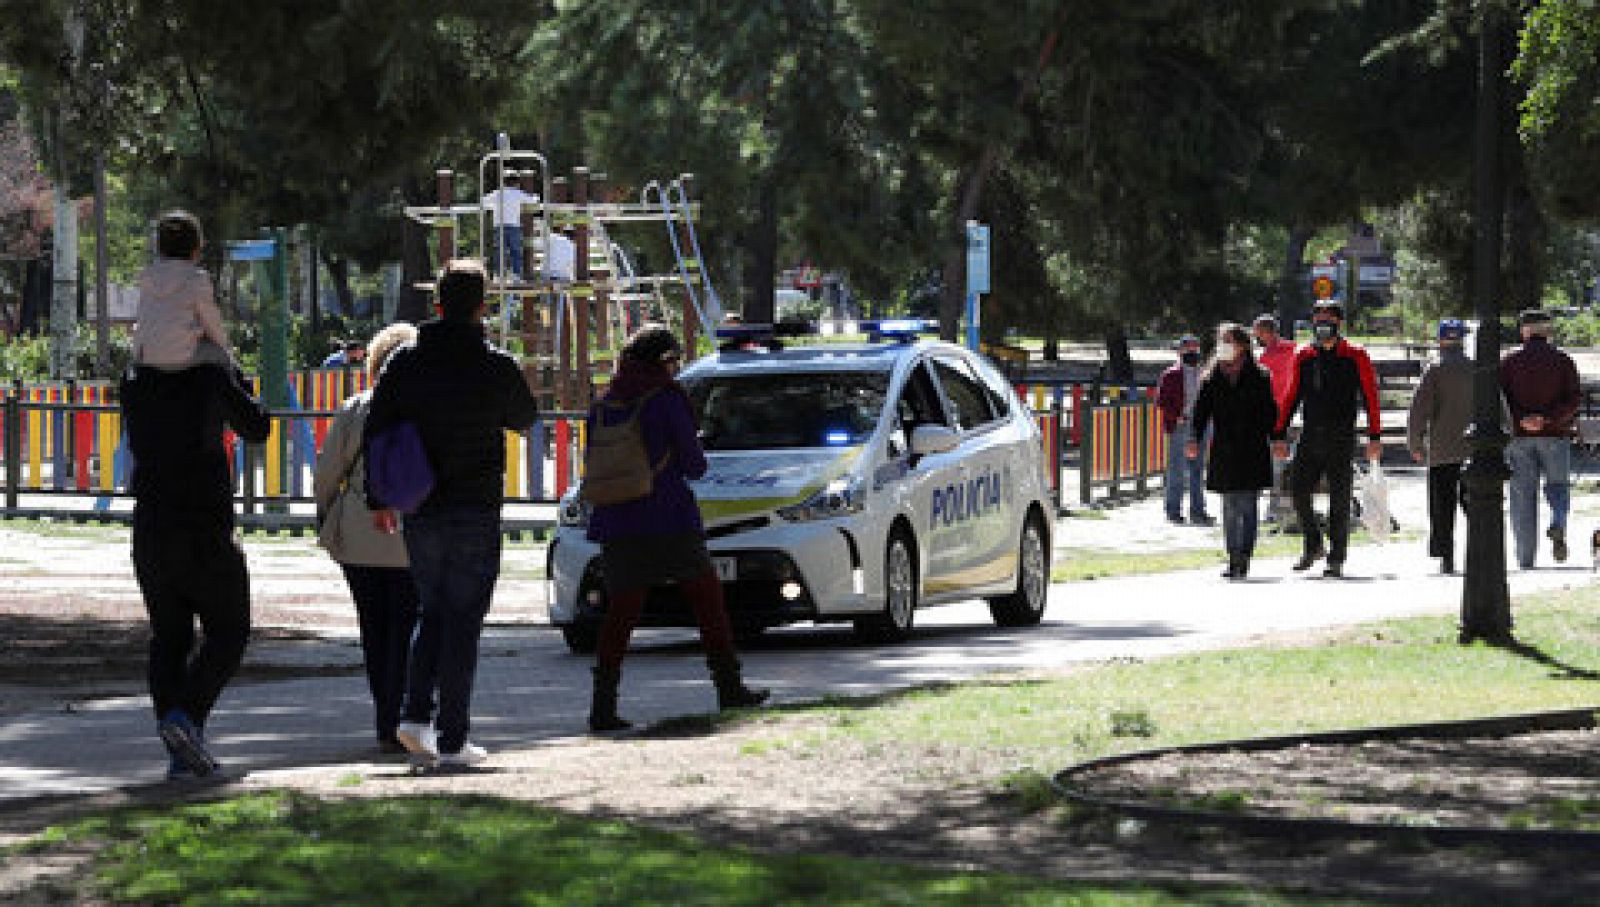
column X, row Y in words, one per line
column 1375, row 513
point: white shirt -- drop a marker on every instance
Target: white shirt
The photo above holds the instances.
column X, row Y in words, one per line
column 562, row 263
column 506, row 204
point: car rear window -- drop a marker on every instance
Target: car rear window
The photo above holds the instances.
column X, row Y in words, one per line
column 788, row 410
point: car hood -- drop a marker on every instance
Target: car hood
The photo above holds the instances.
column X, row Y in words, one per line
column 740, row 484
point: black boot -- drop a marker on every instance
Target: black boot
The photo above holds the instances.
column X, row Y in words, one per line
column 731, row 691
column 603, row 708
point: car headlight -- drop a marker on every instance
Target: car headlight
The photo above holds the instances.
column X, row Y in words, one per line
column 573, row 511
column 841, row 497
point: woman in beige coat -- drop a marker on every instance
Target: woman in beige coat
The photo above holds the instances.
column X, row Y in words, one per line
column 374, row 563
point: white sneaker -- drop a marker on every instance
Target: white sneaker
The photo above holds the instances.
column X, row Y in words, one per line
column 418, row 739
column 471, row 754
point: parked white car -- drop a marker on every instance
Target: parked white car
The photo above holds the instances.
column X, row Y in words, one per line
column 850, row 483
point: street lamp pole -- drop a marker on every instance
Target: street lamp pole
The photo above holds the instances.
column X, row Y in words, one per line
column 1485, row 599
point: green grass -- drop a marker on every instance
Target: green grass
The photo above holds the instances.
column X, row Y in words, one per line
column 1076, row 564
column 1398, row 671
column 289, row 848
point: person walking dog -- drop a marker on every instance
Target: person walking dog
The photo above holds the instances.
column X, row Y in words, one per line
column 1236, row 404
column 657, row 539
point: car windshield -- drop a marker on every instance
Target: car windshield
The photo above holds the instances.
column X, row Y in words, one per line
column 801, row 409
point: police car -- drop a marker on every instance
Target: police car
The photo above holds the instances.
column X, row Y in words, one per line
column 846, row 483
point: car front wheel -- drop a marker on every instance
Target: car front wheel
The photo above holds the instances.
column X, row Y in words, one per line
column 893, row 624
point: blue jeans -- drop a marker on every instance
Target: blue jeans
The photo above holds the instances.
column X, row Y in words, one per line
column 1239, row 521
column 455, row 560
column 511, row 238
column 1184, row 473
column 1529, row 458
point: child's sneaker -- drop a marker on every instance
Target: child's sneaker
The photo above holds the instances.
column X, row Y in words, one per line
column 471, row 754
column 186, row 743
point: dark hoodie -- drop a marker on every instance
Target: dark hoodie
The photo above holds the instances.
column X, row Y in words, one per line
column 463, row 394
column 175, row 422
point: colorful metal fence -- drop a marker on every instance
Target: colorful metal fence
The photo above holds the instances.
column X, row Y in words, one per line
column 77, row 449
column 1123, row 449
column 67, row 440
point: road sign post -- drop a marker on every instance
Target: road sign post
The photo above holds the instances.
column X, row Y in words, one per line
column 977, row 276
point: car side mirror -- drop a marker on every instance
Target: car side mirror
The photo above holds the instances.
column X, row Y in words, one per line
column 933, row 439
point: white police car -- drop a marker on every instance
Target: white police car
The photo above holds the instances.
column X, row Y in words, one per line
column 855, row 483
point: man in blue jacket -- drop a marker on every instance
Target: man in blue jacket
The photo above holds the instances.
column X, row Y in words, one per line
column 462, row 394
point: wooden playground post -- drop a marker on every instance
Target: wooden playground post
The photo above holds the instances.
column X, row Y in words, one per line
column 563, row 352
column 445, row 180
column 583, row 287
column 602, row 301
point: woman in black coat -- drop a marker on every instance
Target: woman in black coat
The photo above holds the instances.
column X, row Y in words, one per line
column 1236, row 403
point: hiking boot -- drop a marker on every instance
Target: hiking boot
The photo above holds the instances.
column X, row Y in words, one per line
column 731, row 691
column 419, row 739
column 469, row 754
column 1558, row 544
column 603, row 716
column 187, row 743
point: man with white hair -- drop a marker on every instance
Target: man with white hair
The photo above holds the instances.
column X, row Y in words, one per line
column 1541, row 389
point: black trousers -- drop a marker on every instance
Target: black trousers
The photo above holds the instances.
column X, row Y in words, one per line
column 1444, row 494
column 191, row 569
column 1320, row 455
column 386, row 609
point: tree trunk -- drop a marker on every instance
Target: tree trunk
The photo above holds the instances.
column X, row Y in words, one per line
column 1119, row 359
column 1526, row 235
column 761, row 268
column 102, row 280
column 416, row 264
column 1291, row 298
column 36, row 284
column 339, row 273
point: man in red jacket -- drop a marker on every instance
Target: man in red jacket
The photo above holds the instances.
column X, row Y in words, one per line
column 1331, row 377
column 1277, row 357
column 1175, row 397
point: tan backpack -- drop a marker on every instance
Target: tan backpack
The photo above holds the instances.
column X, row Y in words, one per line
column 616, row 465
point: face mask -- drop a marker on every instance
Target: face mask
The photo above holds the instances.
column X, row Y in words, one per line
column 1191, row 357
column 1326, row 330
column 1226, row 352
column 1261, row 342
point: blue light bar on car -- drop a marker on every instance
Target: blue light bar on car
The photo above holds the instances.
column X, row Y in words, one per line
column 836, row 438
column 899, row 328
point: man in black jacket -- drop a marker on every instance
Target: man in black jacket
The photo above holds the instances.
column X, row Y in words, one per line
column 1332, row 378
column 462, row 394
column 185, row 555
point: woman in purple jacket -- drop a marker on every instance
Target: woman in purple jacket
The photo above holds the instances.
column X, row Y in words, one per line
column 658, row 539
